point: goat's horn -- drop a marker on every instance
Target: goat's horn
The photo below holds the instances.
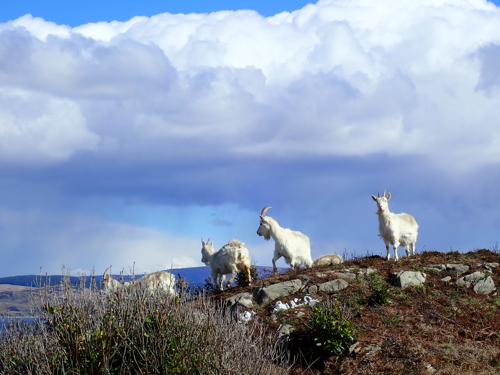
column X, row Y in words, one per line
column 378, row 191
column 202, row 239
column 208, row 240
column 264, row 210
column 384, row 192
column 106, row 271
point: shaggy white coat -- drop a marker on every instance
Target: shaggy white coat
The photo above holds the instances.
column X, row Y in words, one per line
column 231, row 258
column 160, row 280
column 292, row 245
column 395, row 229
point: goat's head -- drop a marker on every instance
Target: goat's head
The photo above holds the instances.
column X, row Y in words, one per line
column 206, row 251
column 264, row 227
column 106, row 285
column 382, row 204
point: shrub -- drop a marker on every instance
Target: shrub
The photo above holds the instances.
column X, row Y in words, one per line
column 242, row 277
column 379, row 290
column 332, row 330
column 78, row 330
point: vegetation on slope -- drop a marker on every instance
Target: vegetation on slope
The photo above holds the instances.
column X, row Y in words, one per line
column 370, row 327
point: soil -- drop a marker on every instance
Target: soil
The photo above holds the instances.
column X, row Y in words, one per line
column 437, row 328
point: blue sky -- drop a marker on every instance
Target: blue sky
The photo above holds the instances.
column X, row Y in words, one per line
column 129, row 131
column 76, row 13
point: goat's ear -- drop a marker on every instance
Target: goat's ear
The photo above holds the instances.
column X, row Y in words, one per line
column 203, row 242
column 388, row 196
column 373, row 197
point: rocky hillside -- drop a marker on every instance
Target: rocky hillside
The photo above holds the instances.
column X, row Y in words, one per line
column 433, row 313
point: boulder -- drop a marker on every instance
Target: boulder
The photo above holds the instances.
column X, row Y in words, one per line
column 471, row 279
column 346, row 275
column 457, row 268
column 408, row 278
column 485, row 286
column 265, row 295
column 244, row 299
column 435, row 267
column 333, row 286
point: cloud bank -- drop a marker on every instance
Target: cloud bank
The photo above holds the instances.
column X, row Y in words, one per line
column 333, row 100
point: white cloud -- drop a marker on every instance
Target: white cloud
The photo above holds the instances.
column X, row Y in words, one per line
column 334, row 78
column 52, row 240
column 36, row 127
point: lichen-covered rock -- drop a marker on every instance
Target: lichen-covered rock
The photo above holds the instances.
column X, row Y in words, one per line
column 457, row 268
column 471, row 279
column 435, row 267
column 265, row 295
column 367, row 271
column 333, row 286
column 347, row 275
column 485, row 286
column 244, row 299
column 408, row 278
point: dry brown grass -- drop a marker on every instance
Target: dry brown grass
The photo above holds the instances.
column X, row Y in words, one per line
column 438, row 328
column 78, row 330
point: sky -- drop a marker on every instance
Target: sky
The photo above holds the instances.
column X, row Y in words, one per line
column 129, row 130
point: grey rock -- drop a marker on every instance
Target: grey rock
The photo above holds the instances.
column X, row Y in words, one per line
column 492, row 265
column 437, row 267
column 322, row 275
column 284, row 331
column 471, row 279
column 457, row 268
column 408, row 278
column 244, row 299
column 313, row 289
column 446, row 279
column 333, row 286
column 349, row 276
column 265, row 295
column 373, row 349
column 485, row 286
column 305, row 281
column 367, row 271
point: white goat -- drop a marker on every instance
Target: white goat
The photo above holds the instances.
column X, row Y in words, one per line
column 162, row 281
column 328, row 260
column 396, row 229
column 292, row 245
column 229, row 259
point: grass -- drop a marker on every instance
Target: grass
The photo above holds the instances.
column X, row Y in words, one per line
column 79, row 330
column 370, row 327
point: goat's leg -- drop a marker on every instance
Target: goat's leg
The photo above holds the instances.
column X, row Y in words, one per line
column 221, row 281
column 407, row 249
column 395, row 245
column 233, row 275
column 388, row 257
column 413, row 248
column 275, row 258
column 247, row 270
column 217, row 279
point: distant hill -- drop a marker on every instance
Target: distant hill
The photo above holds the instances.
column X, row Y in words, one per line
column 194, row 275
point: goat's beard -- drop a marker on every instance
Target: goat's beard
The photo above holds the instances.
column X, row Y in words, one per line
column 267, row 236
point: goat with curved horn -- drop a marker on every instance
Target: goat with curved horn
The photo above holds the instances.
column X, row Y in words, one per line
column 264, row 210
column 395, row 229
column 292, row 245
